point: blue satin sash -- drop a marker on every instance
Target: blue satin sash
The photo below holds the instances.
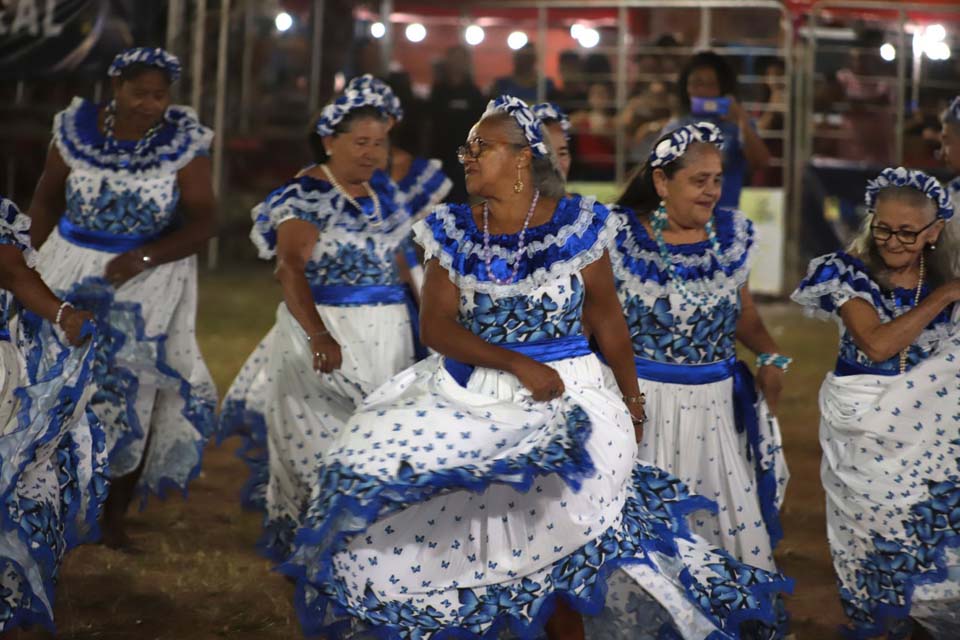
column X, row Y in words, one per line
column 540, row 350
column 103, row 240
column 672, row 373
column 344, row 295
column 4, row 335
column 848, row 368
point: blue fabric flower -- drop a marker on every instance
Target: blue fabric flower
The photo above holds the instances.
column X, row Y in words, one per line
column 550, row 112
column 529, row 123
column 901, row 177
column 369, row 84
column 153, row 57
column 352, row 99
column 673, row 147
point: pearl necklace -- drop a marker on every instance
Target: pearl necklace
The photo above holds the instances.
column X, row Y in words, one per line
column 916, row 300
column 376, row 220
column 488, row 252
column 706, row 299
column 109, row 125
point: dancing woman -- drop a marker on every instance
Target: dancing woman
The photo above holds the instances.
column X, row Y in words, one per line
column 52, row 456
column 495, row 486
column 682, row 266
column 344, row 327
column 556, row 125
column 888, row 411
column 106, row 218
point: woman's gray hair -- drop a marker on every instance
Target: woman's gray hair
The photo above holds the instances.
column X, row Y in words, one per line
column 943, row 264
column 546, row 169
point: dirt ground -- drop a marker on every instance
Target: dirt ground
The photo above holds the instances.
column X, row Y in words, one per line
column 201, row 577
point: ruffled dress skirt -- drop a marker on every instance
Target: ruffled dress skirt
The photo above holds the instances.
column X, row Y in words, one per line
column 449, row 511
column 693, row 431
column 288, row 415
column 891, row 474
column 52, row 472
column 155, row 393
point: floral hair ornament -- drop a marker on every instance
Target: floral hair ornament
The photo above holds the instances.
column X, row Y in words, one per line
column 551, row 112
column 150, row 56
column 900, row 177
column 529, row 123
column 673, row 147
column 368, row 84
column 351, row 99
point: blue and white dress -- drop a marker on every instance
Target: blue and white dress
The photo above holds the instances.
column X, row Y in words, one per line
column 52, row 452
column 890, row 461
column 153, row 383
column 453, row 505
column 424, row 186
column 706, row 424
column 286, row 413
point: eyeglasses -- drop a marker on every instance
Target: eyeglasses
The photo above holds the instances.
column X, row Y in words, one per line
column 475, row 148
column 905, row 236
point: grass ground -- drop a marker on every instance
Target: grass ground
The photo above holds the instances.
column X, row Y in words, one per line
column 201, row 577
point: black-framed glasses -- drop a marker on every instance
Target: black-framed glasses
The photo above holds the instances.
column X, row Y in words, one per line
column 883, row 233
column 475, row 148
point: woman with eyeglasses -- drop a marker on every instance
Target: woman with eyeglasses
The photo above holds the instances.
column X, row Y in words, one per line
column 494, row 486
column 346, row 322
column 53, row 463
column 888, row 412
column 124, row 204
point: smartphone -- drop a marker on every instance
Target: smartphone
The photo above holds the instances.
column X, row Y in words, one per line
column 709, row 106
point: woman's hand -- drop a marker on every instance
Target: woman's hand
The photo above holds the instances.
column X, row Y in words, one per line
column 124, row 267
column 327, row 357
column 736, row 113
column 770, row 384
column 638, row 414
column 543, row 382
column 71, row 321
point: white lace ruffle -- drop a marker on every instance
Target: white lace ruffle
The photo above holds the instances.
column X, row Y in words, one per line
column 190, row 140
column 17, row 227
column 540, row 277
column 325, row 206
column 809, row 298
column 741, row 249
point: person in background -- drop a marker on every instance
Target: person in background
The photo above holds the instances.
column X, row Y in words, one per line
column 572, row 95
column 950, row 148
column 770, row 121
column 706, row 77
column 455, row 104
column 595, row 129
column 556, row 124
column 523, row 83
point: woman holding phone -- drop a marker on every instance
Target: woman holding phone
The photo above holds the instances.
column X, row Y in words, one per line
column 707, row 89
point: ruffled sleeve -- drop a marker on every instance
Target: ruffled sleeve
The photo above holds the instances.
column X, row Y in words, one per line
column 15, row 230
column 424, row 186
column 579, row 233
column 833, row 280
column 77, row 136
column 302, row 198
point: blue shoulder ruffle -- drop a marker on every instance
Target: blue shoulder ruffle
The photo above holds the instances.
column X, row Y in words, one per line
column 638, row 258
column 424, row 186
column 15, row 229
column 78, row 138
column 579, row 233
column 317, row 202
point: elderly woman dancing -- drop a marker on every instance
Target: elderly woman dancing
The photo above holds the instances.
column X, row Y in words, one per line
column 888, row 412
column 494, row 486
column 344, row 326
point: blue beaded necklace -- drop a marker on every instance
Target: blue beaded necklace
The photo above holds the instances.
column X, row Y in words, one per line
column 659, row 222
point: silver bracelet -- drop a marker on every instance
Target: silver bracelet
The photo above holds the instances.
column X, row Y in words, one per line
column 63, row 305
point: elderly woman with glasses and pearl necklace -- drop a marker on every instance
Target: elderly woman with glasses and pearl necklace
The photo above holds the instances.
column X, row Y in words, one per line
column 346, row 323
column 494, row 485
column 888, row 412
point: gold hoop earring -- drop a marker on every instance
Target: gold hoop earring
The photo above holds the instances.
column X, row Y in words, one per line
column 518, row 185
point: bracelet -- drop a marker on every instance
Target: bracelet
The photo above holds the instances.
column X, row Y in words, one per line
column 146, row 260
column 317, row 334
column 640, row 399
column 775, row 360
column 60, row 309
